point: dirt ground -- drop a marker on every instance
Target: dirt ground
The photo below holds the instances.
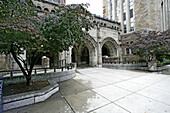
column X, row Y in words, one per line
column 22, row 87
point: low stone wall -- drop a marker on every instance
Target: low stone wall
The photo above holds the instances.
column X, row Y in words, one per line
column 57, row 76
column 141, row 66
column 164, row 69
column 23, row 99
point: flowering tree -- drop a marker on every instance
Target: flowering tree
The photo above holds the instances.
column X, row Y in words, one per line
column 151, row 45
column 22, row 29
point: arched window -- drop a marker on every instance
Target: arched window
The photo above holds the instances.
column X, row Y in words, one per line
column 46, row 10
column 38, row 7
column 52, row 11
column 127, row 51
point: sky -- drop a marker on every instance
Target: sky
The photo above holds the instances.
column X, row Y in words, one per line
column 95, row 5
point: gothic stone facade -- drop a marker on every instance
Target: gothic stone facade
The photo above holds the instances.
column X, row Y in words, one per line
column 137, row 15
column 104, row 40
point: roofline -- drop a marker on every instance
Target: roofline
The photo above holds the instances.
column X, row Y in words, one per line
column 106, row 19
column 52, row 3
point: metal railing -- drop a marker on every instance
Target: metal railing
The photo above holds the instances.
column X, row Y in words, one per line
column 62, row 65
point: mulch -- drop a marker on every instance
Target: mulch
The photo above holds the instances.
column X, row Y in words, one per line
column 17, row 88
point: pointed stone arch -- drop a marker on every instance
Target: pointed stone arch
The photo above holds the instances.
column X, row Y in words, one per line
column 89, row 47
column 111, row 45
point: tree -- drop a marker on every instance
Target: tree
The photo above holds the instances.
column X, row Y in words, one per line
column 65, row 27
column 22, row 29
column 150, row 45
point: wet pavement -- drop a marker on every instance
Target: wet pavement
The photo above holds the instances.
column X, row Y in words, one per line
column 101, row 90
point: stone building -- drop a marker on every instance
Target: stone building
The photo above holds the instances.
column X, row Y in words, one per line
column 102, row 40
column 137, row 15
column 121, row 19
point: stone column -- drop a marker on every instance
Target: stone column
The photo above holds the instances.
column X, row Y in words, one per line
column 95, row 57
column 120, row 53
column 99, row 52
column 167, row 14
column 121, row 15
column 127, row 16
column 113, row 10
column 164, row 17
column 69, row 55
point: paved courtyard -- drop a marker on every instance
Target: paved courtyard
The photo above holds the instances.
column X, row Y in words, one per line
column 101, row 90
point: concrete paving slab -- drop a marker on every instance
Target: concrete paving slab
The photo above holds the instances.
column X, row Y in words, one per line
column 91, row 83
column 71, row 87
column 109, row 80
column 140, row 104
column 130, row 86
column 112, row 93
column 122, row 77
column 162, row 85
column 86, row 101
column 144, row 81
column 106, row 79
column 81, row 77
column 156, row 94
column 54, row 104
column 111, row 108
column 95, row 90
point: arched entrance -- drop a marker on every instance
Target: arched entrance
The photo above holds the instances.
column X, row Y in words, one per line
column 80, row 55
column 109, row 50
column 73, row 55
column 85, row 54
column 105, row 51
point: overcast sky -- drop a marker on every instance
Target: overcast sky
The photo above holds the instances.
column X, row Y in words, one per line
column 95, row 5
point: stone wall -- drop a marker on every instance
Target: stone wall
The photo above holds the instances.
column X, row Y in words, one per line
column 141, row 66
column 57, row 76
column 147, row 14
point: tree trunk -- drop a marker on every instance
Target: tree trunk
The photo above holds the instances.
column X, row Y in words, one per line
column 28, row 78
column 29, row 71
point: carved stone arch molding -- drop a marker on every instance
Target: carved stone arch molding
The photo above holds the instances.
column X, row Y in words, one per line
column 112, row 46
column 90, row 42
column 109, row 39
column 91, row 57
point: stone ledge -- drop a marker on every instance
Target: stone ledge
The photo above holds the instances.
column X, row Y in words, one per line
column 58, row 76
column 126, row 66
column 23, row 99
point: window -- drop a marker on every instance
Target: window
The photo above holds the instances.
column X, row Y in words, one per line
column 127, row 51
column 125, row 31
column 131, row 4
column 116, row 7
column 124, row 16
column 131, row 24
column 131, row 13
column 111, row 9
column 131, row 16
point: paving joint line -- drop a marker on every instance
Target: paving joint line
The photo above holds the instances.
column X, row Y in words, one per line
column 152, row 99
column 67, row 102
column 99, row 107
column 115, row 100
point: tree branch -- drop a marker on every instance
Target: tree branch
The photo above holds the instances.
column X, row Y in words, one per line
column 17, row 61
